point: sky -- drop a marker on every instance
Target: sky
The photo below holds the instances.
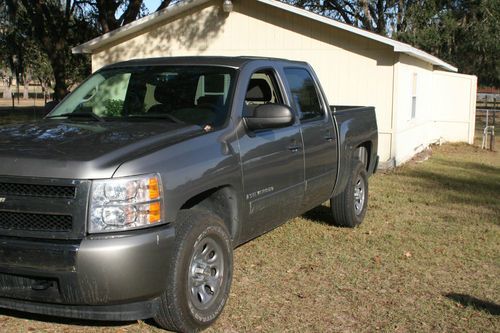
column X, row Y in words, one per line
column 152, row 4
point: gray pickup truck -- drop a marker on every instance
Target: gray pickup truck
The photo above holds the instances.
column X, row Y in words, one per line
column 127, row 200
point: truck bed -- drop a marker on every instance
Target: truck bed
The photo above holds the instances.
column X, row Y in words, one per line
column 357, row 127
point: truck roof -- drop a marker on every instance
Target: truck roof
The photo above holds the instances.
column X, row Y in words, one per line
column 235, row 62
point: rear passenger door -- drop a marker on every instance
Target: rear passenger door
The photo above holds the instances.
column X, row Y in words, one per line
column 272, row 161
column 318, row 133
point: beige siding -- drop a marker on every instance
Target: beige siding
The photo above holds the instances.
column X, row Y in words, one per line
column 412, row 134
column 353, row 70
column 445, row 107
column 454, row 106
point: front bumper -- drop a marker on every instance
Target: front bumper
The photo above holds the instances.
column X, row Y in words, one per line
column 108, row 277
column 120, row 312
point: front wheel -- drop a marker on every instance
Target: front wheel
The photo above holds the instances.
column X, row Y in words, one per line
column 349, row 207
column 201, row 272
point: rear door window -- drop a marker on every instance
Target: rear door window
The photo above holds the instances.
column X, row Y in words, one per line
column 304, row 94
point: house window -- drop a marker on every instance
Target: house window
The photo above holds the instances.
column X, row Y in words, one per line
column 414, row 96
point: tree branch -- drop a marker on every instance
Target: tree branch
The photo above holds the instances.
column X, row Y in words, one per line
column 341, row 10
column 164, row 4
column 130, row 14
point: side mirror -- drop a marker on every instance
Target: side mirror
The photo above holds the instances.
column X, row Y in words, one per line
column 49, row 106
column 270, row 116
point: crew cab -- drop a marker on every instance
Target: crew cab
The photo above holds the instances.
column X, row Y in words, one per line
column 126, row 201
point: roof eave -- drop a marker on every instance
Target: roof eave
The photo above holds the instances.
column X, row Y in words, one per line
column 424, row 56
column 179, row 8
column 397, row 46
column 136, row 26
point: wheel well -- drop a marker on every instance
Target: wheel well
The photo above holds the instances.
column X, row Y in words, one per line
column 222, row 202
column 363, row 153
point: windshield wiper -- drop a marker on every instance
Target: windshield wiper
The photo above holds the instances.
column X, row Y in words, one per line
column 90, row 115
column 157, row 116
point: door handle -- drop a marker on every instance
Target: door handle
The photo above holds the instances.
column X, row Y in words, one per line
column 328, row 138
column 294, row 148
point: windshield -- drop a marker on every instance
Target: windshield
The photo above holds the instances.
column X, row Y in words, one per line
column 198, row 95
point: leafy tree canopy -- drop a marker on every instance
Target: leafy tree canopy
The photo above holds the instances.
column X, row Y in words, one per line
column 36, row 36
column 465, row 33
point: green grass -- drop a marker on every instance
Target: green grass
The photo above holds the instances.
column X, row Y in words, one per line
column 432, row 230
column 426, row 259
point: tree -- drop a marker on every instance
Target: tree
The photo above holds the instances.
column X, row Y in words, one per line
column 379, row 16
column 465, row 33
column 462, row 32
column 52, row 27
column 105, row 12
column 38, row 66
column 12, row 48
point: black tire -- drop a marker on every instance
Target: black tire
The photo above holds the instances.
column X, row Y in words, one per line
column 347, row 210
column 186, row 306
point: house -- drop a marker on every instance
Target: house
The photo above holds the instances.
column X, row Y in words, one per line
column 419, row 98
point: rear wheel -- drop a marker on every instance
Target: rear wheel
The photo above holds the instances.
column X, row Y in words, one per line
column 349, row 207
column 201, row 272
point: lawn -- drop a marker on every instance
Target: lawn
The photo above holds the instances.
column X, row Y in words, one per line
column 20, row 114
column 426, row 259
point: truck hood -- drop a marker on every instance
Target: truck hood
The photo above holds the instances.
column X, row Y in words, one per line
column 82, row 150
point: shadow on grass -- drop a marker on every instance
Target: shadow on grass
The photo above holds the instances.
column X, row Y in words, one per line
column 62, row 320
column 469, row 166
column 462, row 182
column 321, row 215
column 470, row 301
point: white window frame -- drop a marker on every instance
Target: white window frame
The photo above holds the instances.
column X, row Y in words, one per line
column 414, row 84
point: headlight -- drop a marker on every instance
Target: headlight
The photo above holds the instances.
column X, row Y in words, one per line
column 125, row 203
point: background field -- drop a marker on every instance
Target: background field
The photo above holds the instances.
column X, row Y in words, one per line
column 426, row 259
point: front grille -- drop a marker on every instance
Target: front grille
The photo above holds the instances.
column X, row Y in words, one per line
column 43, row 208
column 37, row 190
column 35, row 222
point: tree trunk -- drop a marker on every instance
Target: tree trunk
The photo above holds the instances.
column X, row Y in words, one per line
column 59, row 68
column 60, row 87
column 400, row 25
column 381, row 18
column 7, row 92
column 164, row 4
column 366, row 18
column 132, row 11
column 26, row 94
column 106, row 15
